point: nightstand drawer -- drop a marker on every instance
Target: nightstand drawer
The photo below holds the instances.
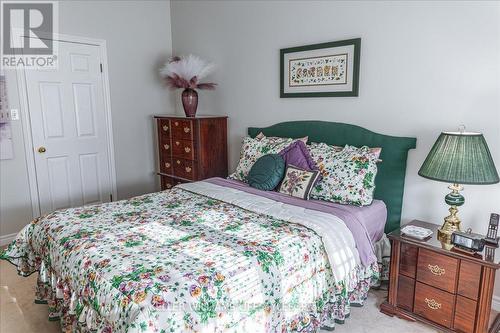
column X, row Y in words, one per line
column 406, row 292
column 465, row 315
column 408, row 261
column 468, row 279
column 434, row 304
column 437, row 270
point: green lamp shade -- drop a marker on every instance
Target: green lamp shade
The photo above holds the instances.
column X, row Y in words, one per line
column 460, row 158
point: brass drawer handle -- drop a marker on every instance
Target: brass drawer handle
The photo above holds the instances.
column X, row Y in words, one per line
column 177, row 143
column 187, row 149
column 188, row 169
column 167, row 165
column 168, row 185
column 166, row 146
column 176, row 123
column 165, row 128
column 431, row 303
column 436, row 270
column 178, row 162
column 186, row 129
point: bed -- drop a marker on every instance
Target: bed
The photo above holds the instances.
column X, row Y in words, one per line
column 214, row 255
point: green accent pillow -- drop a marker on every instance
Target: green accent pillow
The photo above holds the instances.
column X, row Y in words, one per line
column 267, row 172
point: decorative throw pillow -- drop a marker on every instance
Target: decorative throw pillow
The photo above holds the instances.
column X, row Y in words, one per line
column 298, row 155
column 252, row 149
column 348, row 176
column 298, row 182
column 267, row 172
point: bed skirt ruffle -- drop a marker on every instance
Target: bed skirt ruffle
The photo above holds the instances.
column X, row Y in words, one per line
column 77, row 314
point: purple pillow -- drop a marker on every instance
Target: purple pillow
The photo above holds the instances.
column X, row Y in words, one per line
column 298, row 155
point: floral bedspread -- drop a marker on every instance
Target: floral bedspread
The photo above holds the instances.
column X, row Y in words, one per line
column 177, row 261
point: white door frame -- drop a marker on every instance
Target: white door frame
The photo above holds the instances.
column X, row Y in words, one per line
column 26, row 122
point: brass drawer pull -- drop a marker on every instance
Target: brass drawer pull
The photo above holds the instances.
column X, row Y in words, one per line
column 187, row 149
column 176, row 123
column 188, row 169
column 165, row 128
column 431, row 303
column 177, row 143
column 436, row 270
column 167, row 165
column 178, row 162
column 168, row 185
column 186, row 129
column 166, row 146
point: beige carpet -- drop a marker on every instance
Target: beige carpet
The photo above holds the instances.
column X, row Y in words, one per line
column 19, row 314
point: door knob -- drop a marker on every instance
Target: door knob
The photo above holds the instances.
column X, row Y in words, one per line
column 42, row 150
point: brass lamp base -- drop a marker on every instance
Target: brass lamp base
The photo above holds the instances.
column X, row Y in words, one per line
column 451, row 222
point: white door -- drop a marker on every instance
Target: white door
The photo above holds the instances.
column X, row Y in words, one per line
column 69, row 129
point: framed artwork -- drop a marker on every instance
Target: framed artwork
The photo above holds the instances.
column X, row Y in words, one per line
column 320, row 70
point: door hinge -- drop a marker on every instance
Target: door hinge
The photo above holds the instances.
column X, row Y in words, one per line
column 100, row 65
column 110, row 197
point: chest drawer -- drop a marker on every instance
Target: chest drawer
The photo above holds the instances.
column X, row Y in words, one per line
column 169, row 182
column 165, row 147
column 182, row 129
column 166, row 165
column 437, row 270
column 183, row 149
column 184, row 168
column 434, row 304
column 164, row 127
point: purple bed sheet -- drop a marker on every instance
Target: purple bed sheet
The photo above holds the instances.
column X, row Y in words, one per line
column 365, row 223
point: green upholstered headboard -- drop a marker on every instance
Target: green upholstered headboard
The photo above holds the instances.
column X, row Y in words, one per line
column 390, row 178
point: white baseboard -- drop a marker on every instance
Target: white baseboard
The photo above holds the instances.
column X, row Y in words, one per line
column 495, row 303
column 6, row 239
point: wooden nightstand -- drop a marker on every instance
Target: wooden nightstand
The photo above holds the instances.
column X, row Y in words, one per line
column 449, row 290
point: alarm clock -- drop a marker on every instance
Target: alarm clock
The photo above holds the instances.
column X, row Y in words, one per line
column 468, row 241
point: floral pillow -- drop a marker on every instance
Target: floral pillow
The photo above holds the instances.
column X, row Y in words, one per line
column 376, row 151
column 348, row 176
column 253, row 149
column 262, row 135
column 298, row 182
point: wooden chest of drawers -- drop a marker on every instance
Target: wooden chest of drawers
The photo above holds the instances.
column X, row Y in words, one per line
column 191, row 149
column 449, row 290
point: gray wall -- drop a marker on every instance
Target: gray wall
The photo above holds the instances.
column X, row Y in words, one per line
column 425, row 67
column 138, row 41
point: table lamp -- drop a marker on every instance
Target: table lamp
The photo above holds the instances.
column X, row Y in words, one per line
column 458, row 158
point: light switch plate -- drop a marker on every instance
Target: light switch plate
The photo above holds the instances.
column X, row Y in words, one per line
column 14, row 114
